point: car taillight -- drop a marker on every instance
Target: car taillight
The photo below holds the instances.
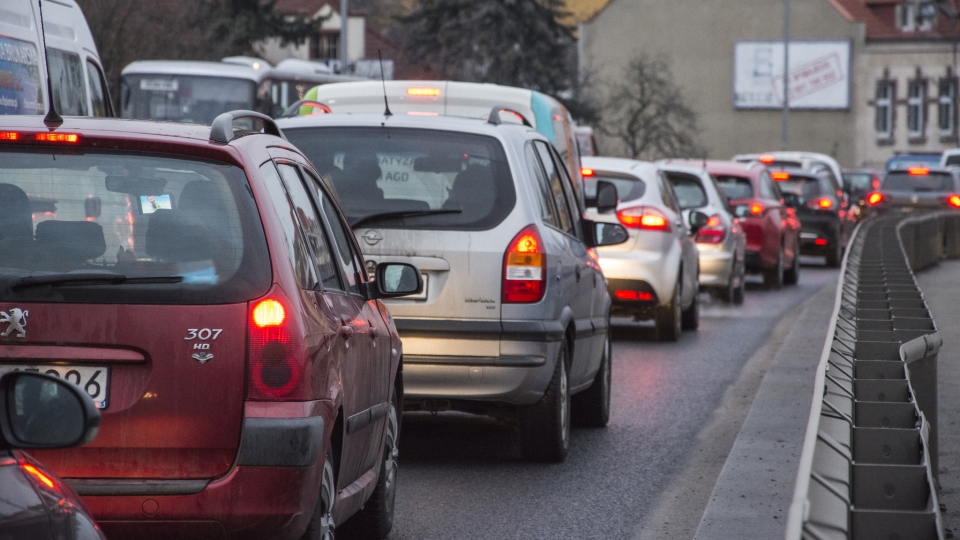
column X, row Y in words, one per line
column 954, row 201
column 638, row 296
column 273, row 366
column 823, row 203
column 713, row 232
column 643, row 217
column 9, row 136
column 874, row 198
column 36, row 474
column 53, row 137
column 756, row 209
column 524, row 268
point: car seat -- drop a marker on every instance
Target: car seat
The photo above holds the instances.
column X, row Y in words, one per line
column 17, row 248
column 474, row 192
column 68, row 244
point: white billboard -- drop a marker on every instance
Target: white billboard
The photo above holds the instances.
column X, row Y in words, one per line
column 818, row 78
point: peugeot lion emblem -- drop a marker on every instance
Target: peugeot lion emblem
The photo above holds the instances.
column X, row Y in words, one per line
column 371, row 237
column 17, row 319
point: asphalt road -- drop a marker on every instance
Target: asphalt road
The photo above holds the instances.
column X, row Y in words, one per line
column 462, row 477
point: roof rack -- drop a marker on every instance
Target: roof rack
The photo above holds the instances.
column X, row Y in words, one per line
column 294, row 110
column 494, row 117
column 222, row 129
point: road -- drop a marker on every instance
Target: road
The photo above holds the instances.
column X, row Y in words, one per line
column 462, row 477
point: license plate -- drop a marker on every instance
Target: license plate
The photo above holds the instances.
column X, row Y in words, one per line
column 94, row 380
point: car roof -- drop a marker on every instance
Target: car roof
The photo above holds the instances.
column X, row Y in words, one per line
column 713, row 166
column 623, row 165
column 189, row 67
column 439, row 123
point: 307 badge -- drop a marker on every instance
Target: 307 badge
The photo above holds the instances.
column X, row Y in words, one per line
column 202, row 336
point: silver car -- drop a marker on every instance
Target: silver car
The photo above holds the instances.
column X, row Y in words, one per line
column 721, row 242
column 654, row 274
column 514, row 313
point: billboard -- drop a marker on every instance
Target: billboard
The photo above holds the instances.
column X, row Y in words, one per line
column 818, row 78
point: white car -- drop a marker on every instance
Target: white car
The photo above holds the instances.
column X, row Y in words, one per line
column 654, row 275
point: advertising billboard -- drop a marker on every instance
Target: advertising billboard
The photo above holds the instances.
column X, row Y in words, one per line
column 818, row 78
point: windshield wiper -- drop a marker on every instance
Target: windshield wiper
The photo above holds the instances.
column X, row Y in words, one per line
column 403, row 214
column 79, row 279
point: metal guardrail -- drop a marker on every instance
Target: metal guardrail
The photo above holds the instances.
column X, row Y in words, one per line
column 868, row 468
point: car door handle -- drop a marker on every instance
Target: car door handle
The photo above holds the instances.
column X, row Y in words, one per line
column 345, row 332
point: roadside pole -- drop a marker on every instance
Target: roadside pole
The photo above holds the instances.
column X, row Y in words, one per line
column 785, row 134
column 343, row 35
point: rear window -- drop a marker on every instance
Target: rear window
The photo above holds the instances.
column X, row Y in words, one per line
column 183, row 98
column 806, row 187
column 859, row 181
column 735, row 187
column 902, row 181
column 628, row 187
column 127, row 228
column 953, row 160
column 690, row 193
column 412, row 178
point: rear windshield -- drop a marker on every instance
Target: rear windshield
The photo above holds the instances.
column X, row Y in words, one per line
column 806, row 187
column 735, row 187
column 902, row 181
column 127, row 228
column 859, row 181
column 953, row 160
column 182, row 98
column 909, row 160
column 628, row 187
column 412, row 178
column 690, row 193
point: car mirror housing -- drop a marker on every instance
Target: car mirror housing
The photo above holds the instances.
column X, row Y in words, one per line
column 604, row 234
column 792, row 200
column 606, row 200
column 697, row 221
column 393, row 280
column 42, row 411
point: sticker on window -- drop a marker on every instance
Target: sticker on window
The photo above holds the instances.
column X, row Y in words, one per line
column 159, row 85
column 151, row 203
column 20, row 88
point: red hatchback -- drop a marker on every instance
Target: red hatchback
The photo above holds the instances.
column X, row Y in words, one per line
column 773, row 230
column 202, row 286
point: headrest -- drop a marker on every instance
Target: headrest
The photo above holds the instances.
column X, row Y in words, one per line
column 175, row 237
column 77, row 241
column 16, row 219
column 201, row 195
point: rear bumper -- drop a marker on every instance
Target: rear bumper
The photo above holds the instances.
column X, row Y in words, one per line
column 269, row 493
column 821, row 228
column 639, row 309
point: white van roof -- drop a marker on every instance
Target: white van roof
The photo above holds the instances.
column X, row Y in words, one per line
column 185, row 67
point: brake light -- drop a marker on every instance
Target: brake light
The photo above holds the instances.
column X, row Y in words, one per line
column 820, row 242
column 780, row 176
column 33, row 471
column 874, row 198
column 9, row 136
column 423, row 92
column 875, row 184
column 53, row 137
column 918, row 171
column 587, row 172
column 766, row 159
column 824, row 203
column 954, row 201
column 633, row 295
column 643, row 217
column 756, row 209
column 524, row 268
column 273, row 365
column 713, row 232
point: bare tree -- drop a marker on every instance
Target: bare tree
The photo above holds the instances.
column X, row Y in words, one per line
column 646, row 111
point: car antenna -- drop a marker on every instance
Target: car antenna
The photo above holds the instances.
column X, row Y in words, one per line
column 52, row 118
column 383, row 81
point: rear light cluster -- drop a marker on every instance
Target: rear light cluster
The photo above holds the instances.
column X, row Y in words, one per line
column 954, row 201
column 636, row 296
column 524, row 268
column 643, row 217
column 46, row 137
column 874, row 198
column 274, row 369
column 823, row 203
column 713, row 232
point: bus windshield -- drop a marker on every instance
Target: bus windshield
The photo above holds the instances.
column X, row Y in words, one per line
column 184, row 98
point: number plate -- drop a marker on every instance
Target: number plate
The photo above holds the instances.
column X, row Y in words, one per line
column 94, row 380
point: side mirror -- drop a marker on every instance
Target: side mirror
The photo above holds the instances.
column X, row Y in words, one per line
column 41, row 411
column 697, row 221
column 792, row 200
column 607, row 198
column 604, row 234
column 392, row 280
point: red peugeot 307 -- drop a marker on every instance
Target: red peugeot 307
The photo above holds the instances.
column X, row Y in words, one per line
column 202, row 286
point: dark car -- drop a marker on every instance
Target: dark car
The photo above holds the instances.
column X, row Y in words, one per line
column 915, row 188
column 914, row 159
column 202, row 286
column 42, row 411
column 824, row 224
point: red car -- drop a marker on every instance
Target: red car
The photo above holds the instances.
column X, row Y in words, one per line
column 203, row 287
column 773, row 230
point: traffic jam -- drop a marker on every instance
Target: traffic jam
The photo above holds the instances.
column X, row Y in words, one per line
column 214, row 313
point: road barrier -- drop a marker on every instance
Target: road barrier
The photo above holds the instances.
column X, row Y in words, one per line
column 868, row 468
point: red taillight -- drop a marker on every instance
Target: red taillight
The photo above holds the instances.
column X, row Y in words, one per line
column 823, row 203
column 766, row 159
column 274, row 367
column 954, row 201
column 587, row 172
column 874, row 198
column 9, row 136
column 780, row 176
column 756, row 209
column 44, row 479
column 53, row 137
column 638, row 296
column 713, row 232
column 643, row 217
column 918, row 171
column 820, row 242
column 524, row 268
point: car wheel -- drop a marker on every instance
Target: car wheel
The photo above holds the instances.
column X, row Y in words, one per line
column 545, row 426
column 591, row 408
column 738, row 293
column 669, row 317
column 375, row 520
column 792, row 276
column 321, row 525
column 773, row 277
column 835, row 255
column 690, row 319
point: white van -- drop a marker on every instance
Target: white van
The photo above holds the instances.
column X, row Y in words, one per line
column 79, row 87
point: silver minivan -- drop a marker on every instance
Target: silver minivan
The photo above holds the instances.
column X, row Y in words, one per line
column 514, row 315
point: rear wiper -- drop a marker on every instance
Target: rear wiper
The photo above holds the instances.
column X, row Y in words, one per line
column 79, row 279
column 403, row 214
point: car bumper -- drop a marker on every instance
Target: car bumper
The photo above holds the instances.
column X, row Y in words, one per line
column 269, row 493
column 716, row 266
column 815, row 230
column 641, row 267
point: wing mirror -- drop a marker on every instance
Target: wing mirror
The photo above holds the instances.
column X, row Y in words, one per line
column 393, row 280
column 697, row 221
column 41, row 411
column 792, row 200
column 604, row 234
column 607, row 198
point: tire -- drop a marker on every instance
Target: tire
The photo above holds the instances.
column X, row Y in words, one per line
column 668, row 318
column 545, row 426
column 375, row 520
column 792, row 276
column 322, row 526
column 773, row 277
column 690, row 318
column 591, row 408
column 835, row 256
column 738, row 293
column 733, row 294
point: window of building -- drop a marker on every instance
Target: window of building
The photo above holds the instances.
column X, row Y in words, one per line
column 946, row 107
column 884, row 105
column 915, row 108
column 907, row 17
column 325, row 46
